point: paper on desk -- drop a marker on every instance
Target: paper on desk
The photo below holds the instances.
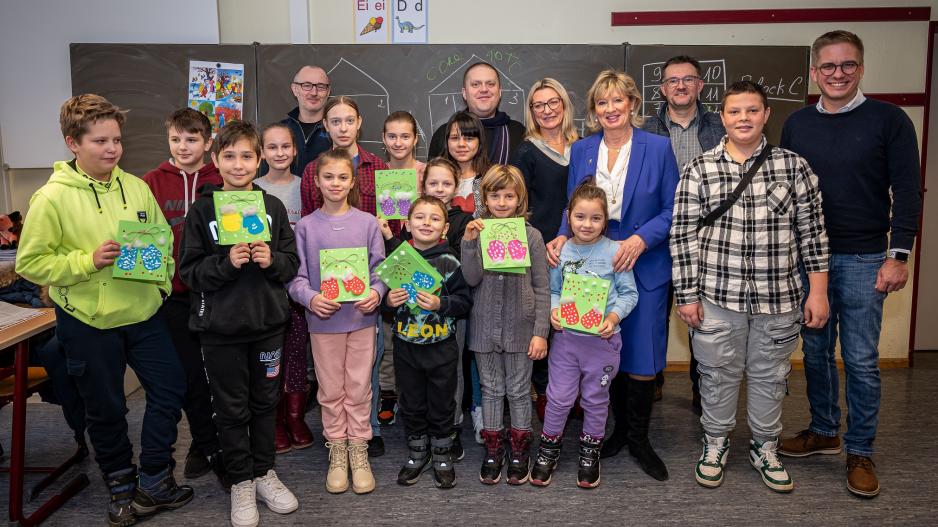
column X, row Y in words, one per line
column 11, row 315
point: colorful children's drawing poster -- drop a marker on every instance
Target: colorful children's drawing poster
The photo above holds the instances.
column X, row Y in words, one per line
column 583, row 302
column 144, row 251
column 371, row 25
column 406, row 269
column 344, row 274
column 217, row 90
column 396, row 190
column 241, row 217
column 409, row 25
column 504, row 244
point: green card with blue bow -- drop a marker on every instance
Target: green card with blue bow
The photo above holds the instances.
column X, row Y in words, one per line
column 145, row 249
column 241, row 217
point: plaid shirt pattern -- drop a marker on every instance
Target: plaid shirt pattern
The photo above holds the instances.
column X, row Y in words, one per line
column 748, row 260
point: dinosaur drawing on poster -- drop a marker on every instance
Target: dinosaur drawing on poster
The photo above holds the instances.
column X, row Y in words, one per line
column 406, row 25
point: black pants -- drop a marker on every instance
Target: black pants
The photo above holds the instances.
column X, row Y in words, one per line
column 426, row 383
column 245, row 383
column 198, row 405
column 97, row 359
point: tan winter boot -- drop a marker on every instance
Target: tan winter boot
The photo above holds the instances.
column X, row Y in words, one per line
column 363, row 481
column 337, row 478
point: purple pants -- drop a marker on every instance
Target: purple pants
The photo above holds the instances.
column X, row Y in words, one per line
column 585, row 365
column 295, row 339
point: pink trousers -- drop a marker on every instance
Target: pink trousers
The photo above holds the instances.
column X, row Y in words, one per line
column 343, row 369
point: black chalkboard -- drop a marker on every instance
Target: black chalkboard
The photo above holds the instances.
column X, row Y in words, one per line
column 151, row 81
column 426, row 79
column 783, row 70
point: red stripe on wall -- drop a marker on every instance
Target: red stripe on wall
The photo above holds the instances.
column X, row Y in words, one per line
column 768, row 16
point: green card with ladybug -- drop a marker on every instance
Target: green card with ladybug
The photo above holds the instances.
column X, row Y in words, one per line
column 583, row 302
column 241, row 217
column 404, row 268
column 344, row 274
column 504, row 243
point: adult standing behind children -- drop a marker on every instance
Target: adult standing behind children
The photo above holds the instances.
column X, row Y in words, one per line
column 866, row 158
column 482, row 91
column 175, row 185
column 68, row 244
column 311, row 88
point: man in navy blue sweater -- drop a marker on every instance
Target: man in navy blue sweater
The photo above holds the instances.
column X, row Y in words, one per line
column 865, row 155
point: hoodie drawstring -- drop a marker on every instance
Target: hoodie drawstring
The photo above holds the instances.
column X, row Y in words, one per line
column 96, row 200
column 123, row 199
column 185, row 192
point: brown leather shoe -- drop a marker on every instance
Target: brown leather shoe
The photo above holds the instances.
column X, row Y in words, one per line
column 807, row 443
column 861, row 477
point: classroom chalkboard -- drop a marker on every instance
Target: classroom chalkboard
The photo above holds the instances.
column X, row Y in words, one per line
column 151, row 81
column 783, row 70
column 426, row 80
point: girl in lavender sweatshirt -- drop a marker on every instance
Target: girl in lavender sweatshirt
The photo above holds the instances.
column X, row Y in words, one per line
column 342, row 335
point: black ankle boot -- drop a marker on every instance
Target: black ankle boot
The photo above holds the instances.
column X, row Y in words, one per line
column 494, row 460
column 547, row 455
column 160, row 492
column 587, row 474
column 417, row 460
column 444, row 475
column 618, row 399
column 641, row 395
column 519, row 462
column 123, row 486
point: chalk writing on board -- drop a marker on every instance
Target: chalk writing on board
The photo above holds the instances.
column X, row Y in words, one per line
column 714, row 76
column 370, row 95
column 781, row 89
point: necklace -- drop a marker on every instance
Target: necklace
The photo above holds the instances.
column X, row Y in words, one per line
column 621, row 172
column 580, row 256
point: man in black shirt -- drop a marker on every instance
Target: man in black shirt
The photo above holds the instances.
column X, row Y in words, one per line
column 311, row 88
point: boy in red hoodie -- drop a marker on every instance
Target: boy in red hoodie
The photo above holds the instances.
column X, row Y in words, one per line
column 175, row 184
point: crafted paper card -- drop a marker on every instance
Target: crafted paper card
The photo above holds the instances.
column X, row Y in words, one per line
column 396, row 190
column 217, row 90
column 583, row 302
column 145, row 248
column 406, row 269
column 504, row 244
column 241, row 217
column 344, row 274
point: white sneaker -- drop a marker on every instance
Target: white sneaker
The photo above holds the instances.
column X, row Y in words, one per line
column 709, row 470
column 476, row 414
column 764, row 458
column 244, row 505
column 275, row 494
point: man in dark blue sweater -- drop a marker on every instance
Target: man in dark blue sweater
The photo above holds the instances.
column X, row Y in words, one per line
column 865, row 155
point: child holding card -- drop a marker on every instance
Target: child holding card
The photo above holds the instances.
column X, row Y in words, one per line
column 240, row 308
column 426, row 350
column 510, row 322
column 342, row 335
column 581, row 363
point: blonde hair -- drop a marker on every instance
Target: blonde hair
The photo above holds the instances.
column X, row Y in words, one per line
column 500, row 177
column 82, row 110
column 609, row 81
column 566, row 123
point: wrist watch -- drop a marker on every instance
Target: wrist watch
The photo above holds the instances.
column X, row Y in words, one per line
column 900, row 256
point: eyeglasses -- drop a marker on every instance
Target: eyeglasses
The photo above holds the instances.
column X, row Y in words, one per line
column 553, row 104
column 674, row 81
column 308, row 86
column 848, row 68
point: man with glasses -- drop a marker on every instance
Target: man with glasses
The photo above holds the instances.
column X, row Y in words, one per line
column 865, row 155
column 693, row 131
column 310, row 86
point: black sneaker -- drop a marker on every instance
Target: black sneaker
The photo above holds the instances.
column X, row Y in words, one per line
column 123, row 486
column 376, row 446
column 587, row 474
column 456, row 451
column 444, row 475
column 418, row 459
column 159, row 493
column 197, row 465
column 547, row 455
column 494, row 460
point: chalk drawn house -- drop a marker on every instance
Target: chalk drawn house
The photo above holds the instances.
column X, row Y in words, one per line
column 372, row 98
column 445, row 98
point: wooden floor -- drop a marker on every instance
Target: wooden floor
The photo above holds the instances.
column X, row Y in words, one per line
column 907, row 444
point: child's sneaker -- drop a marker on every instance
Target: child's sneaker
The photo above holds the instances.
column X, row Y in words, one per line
column 275, row 494
column 764, row 458
column 159, row 492
column 547, row 455
column 476, row 414
column 491, row 471
column 363, row 481
column 588, row 474
column 709, row 471
column 388, row 408
column 244, row 505
column 417, row 460
column 444, row 475
column 337, row 477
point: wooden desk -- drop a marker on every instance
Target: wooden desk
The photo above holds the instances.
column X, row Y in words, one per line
column 18, row 335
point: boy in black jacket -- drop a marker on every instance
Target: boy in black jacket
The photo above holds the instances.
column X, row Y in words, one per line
column 426, row 350
column 239, row 309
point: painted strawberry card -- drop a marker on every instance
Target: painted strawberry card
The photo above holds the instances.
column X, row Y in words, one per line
column 504, row 244
column 344, row 274
column 583, row 302
column 406, row 269
column 145, row 248
column 395, row 190
column 241, row 217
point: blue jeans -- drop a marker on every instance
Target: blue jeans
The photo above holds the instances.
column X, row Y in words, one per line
column 375, row 386
column 857, row 311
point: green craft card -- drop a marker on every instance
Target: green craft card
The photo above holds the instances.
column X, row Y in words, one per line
column 583, row 302
column 395, row 191
column 405, row 268
column 504, row 244
column 344, row 274
column 145, row 248
column 241, row 217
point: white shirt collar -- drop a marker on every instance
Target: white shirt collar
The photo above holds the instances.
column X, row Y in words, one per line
column 857, row 101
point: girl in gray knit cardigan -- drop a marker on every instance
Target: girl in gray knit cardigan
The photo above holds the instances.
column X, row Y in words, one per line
column 510, row 321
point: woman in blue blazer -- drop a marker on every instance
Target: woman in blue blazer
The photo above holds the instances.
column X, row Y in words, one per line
column 639, row 173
